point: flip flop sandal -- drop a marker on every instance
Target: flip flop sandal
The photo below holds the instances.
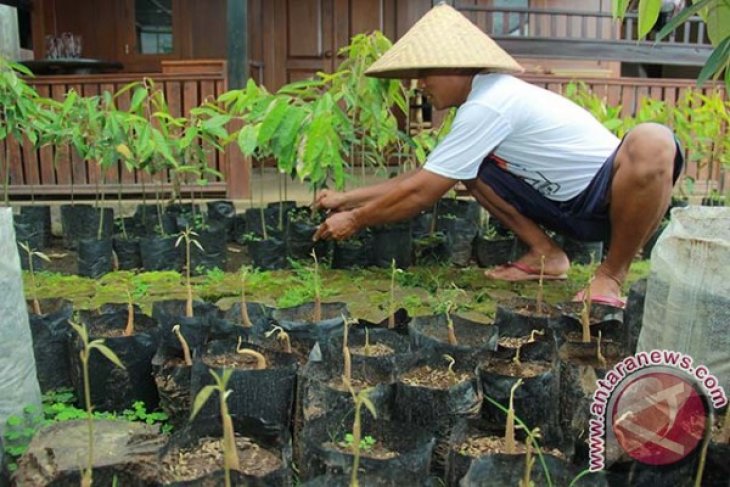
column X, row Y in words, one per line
column 614, row 301
column 531, row 273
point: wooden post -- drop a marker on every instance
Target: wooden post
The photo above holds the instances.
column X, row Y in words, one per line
column 237, row 22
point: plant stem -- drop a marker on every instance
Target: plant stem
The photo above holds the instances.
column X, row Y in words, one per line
column 189, row 303
column 230, row 452
column 391, row 307
column 260, row 359
column 87, row 475
column 599, row 356
column 356, row 434
column 347, row 359
column 509, row 429
column 317, row 313
column 450, row 328
column 585, row 314
column 36, row 303
column 184, row 344
column 129, row 330
column 245, row 319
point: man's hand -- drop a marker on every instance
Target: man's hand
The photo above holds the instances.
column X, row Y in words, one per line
column 338, row 226
column 330, row 200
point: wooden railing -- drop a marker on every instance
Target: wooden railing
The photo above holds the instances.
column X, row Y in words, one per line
column 536, row 32
column 60, row 172
column 572, row 24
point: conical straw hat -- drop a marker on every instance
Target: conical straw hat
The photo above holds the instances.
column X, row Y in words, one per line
column 443, row 39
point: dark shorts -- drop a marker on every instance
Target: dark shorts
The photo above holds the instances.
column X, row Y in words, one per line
column 584, row 217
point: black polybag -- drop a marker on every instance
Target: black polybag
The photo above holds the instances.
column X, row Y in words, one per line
column 94, row 257
column 113, row 388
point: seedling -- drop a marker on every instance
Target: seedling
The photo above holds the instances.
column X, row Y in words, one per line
column 281, row 336
column 599, row 354
column 360, row 399
column 533, row 333
column 391, row 304
column 509, row 428
column 516, row 358
column 529, row 459
column 230, row 452
column 183, row 344
column 367, row 348
column 129, row 329
column 188, row 235
column 451, row 362
column 34, row 288
column 585, row 313
column 138, row 292
column 260, row 359
column 450, row 325
column 366, row 443
column 245, row 319
column 85, row 353
column 346, row 357
column 532, row 436
column 316, row 284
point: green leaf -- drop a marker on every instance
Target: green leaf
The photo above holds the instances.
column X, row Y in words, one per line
column 107, row 352
column 201, row 399
column 137, row 99
column 368, row 404
column 717, row 18
column 648, row 15
column 272, row 121
column 717, row 60
column 247, row 139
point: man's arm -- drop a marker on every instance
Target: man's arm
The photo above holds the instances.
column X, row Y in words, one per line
column 405, row 199
column 357, row 197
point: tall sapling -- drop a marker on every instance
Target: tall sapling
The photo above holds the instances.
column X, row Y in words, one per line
column 188, row 235
column 85, row 353
column 34, row 287
column 230, row 451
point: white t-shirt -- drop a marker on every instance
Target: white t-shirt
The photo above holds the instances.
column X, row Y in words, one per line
column 547, row 140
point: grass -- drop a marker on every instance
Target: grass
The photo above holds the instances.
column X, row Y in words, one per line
column 366, row 291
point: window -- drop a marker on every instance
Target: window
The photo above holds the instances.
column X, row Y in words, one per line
column 153, row 26
column 515, row 25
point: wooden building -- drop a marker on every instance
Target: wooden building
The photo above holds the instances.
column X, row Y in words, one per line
column 199, row 48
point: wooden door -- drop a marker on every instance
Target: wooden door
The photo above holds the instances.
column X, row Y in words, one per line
column 304, row 36
column 150, row 31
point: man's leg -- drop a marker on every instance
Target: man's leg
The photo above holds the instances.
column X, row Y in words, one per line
column 639, row 197
column 556, row 262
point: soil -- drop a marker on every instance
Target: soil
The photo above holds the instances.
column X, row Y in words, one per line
column 531, row 310
column 357, row 384
column 234, row 360
column 523, row 369
column 514, row 342
column 427, row 376
column 377, row 350
column 581, row 353
column 477, row 446
column 207, row 457
column 465, row 338
column 378, row 451
column 106, row 332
